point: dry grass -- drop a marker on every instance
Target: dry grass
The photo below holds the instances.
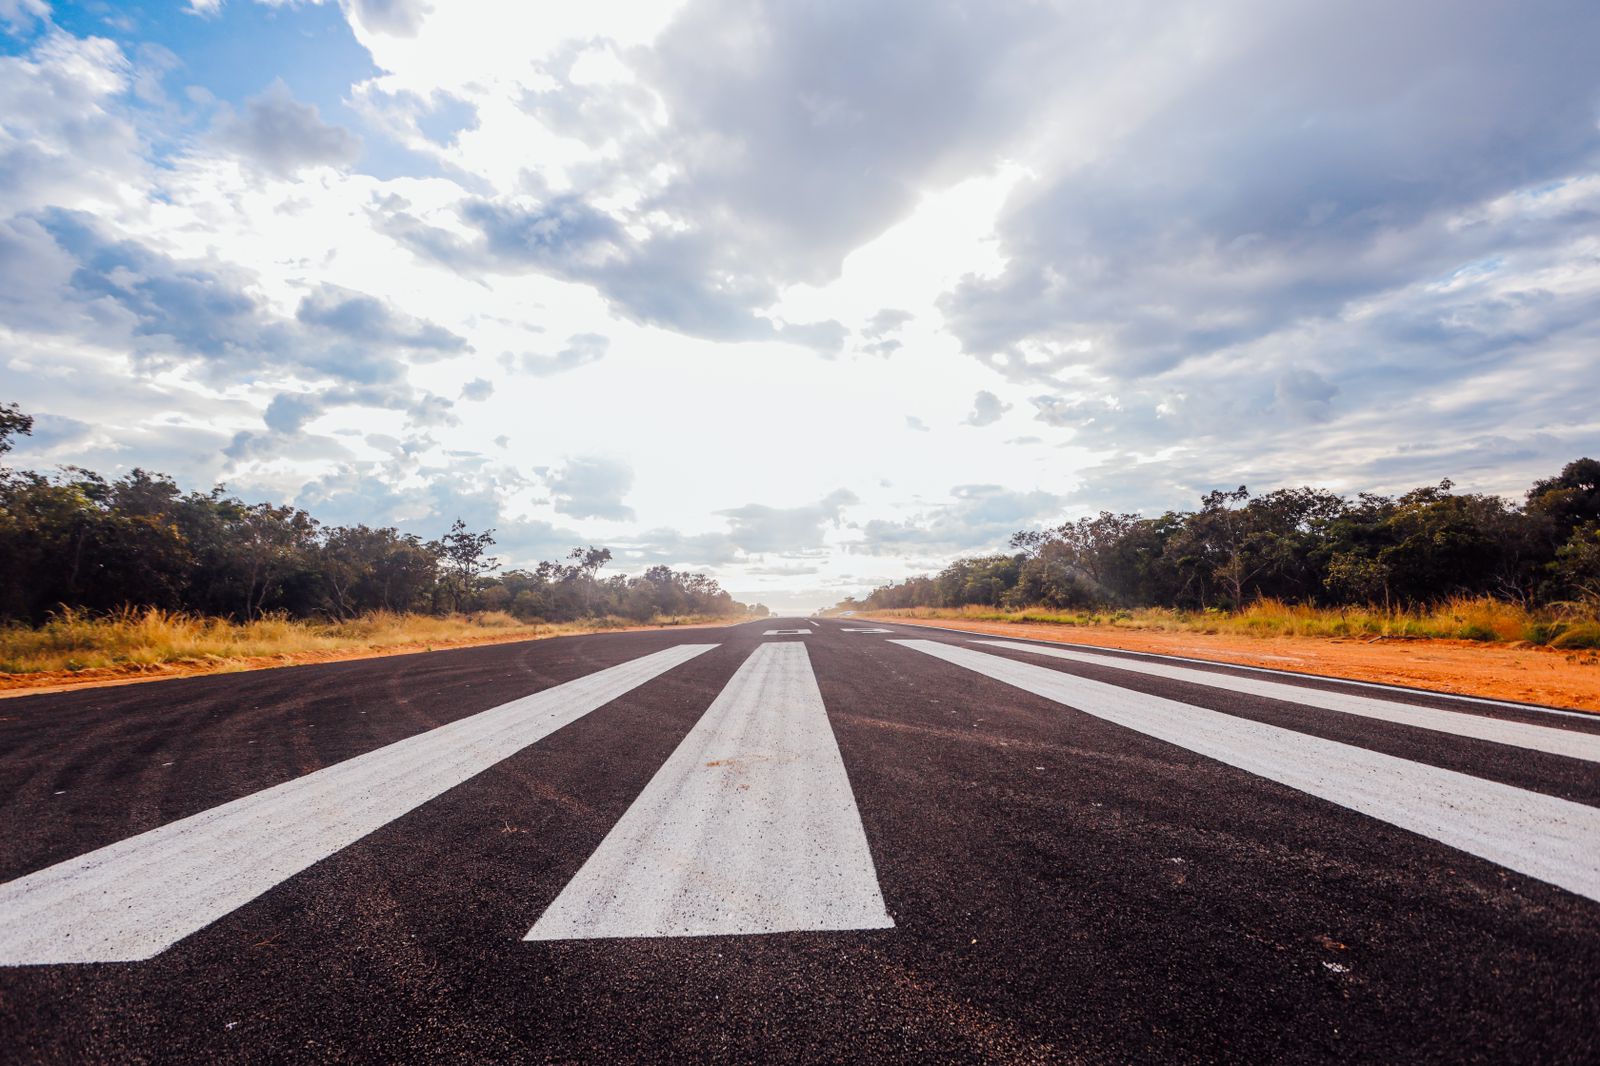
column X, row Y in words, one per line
column 74, row 641
column 1487, row 620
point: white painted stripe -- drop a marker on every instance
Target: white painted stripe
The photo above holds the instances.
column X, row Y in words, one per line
column 1552, row 839
column 749, row 827
column 1532, row 708
column 787, row 633
column 1568, row 742
column 139, row 896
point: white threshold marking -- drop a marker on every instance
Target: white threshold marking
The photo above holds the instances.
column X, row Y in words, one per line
column 1545, row 837
column 750, row 826
column 869, row 631
column 787, row 633
column 135, row 898
column 1568, row 742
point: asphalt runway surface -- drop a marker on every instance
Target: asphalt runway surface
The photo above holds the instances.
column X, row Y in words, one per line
column 793, row 840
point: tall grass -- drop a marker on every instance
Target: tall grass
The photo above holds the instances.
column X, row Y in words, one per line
column 1488, row 620
column 126, row 640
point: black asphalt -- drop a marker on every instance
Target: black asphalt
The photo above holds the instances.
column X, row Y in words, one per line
column 1063, row 889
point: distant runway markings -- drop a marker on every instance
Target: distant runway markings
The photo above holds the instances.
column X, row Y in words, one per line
column 869, row 631
column 1551, row 839
column 749, row 827
column 787, row 633
column 135, row 898
column 1568, row 742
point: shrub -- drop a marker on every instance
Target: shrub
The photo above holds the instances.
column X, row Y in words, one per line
column 1579, row 635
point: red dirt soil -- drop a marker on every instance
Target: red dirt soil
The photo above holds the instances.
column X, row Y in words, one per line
column 1525, row 674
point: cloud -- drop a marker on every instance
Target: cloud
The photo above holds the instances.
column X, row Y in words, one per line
column 65, row 137
column 399, row 18
column 35, row 272
column 758, row 529
column 824, row 338
column 1288, row 176
column 673, row 548
column 81, row 280
column 1305, row 393
column 592, row 487
column 198, row 308
column 986, row 409
column 51, row 431
column 445, row 118
column 886, row 321
column 877, row 329
column 978, row 518
column 796, row 133
column 915, row 423
column 433, row 410
column 1058, row 411
column 749, row 148
column 477, row 390
column 670, row 279
column 288, row 412
column 283, row 136
column 17, row 15
column 581, row 350
column 563, row 237
column 369, row 320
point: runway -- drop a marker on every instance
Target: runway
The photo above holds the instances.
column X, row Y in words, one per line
column 795, row 840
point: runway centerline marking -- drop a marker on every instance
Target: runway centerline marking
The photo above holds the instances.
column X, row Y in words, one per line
column 750, row 826
column 1545, row 837
column 1568, row 742
column 135, row 898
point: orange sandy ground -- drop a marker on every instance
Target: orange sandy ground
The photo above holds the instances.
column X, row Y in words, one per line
column 1526, row 674
column 133, row 674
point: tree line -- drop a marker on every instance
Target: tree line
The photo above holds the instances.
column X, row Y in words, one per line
column 79, row 540
column 1299, row 545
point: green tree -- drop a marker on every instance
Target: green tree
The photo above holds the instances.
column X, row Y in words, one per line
column 1570, row 499
column 1577, row 565
column 13, row 423
column 467, row 559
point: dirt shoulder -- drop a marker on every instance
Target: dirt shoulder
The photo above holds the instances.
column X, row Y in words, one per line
column 136, row 673
column 1526, row 674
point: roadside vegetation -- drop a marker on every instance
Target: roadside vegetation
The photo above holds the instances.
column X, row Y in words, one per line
column 1301, row 562
column 132, row 640
column 1484, row 619
column 133, row 572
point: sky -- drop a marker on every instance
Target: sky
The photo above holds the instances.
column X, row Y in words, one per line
column 807, row 296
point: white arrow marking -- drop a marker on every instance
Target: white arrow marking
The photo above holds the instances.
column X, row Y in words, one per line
column 749, row 827
column 1552, row 839
column 1569, row 742
column 139, row 896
